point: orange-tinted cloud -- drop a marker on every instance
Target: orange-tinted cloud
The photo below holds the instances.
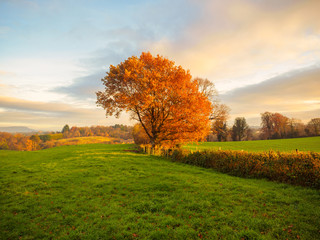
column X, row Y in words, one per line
column 296, row 94
column 19, row 112
column 235, row 43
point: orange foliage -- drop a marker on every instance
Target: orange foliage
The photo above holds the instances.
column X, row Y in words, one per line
column 15, row 142
column 274, row 125
column 20, row 142
column 139, row 135
column 161, row 96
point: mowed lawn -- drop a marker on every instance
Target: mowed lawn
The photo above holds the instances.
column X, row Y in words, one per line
column 101, row 191
column 282, row 145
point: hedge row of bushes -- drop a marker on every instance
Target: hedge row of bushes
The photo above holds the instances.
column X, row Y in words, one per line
column 301, row 168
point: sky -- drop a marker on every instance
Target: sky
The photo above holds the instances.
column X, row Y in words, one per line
column 262, row 55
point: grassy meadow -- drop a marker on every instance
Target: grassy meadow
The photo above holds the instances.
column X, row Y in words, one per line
column 101, row 191
column 282, row 145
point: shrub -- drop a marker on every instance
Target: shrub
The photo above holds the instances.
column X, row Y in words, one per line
column 45, row 138
column 56, row 136
column 302, row 168
column 47, row 144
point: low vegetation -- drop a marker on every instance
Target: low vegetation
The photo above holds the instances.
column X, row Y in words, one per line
column 85, row 140
column 109, row 192
column 81, row 140
column 68, row 136
column 301, row 168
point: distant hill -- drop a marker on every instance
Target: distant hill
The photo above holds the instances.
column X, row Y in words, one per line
column 17, row 129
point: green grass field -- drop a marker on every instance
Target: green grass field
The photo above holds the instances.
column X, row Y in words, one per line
column 100, row 191
column 282, row 145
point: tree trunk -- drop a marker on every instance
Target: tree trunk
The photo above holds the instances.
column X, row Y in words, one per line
column 153, row 146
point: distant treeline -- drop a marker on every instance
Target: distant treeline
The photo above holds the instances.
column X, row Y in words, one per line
column 273, row 126
column 118, row 134
column 117, row 131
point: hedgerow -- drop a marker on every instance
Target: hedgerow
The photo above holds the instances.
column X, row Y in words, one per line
column 297, row 168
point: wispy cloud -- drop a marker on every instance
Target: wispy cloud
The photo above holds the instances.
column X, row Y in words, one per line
column 15, row 111
column 235, row 43
column 296, row 94
column 57, row 51
column 83, row 88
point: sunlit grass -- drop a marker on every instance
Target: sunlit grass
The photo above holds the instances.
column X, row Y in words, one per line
column 282, row 145
column 100, row 191
column 84, row 140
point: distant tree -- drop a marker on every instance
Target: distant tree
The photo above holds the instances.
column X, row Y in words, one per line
column 208, row 89
column 239, row 129
column 74, row 132
column 280, row 124
column 65, row 128
column 85, row 131
column 116, row 131
column 161, row 96
column 295, row 128
column 267, row 125
column 3, row 141
column 219, row 118
column 249, row 134
column 35, row 138
column 313, row 127
column 19, row 142
column 35, row 141
column 45, row 137
column 221, row 130
column 28, row 146
column 274, row 125
column 220, row 113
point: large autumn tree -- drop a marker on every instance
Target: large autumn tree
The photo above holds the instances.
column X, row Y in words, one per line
column 160, row 95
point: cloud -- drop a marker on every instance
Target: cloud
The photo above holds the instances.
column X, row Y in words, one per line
column 295, row 94
column 141, row 25
column 50, row 116
column 83, row 88
column 61, row 57
column 244, row 42
column 5, row 89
